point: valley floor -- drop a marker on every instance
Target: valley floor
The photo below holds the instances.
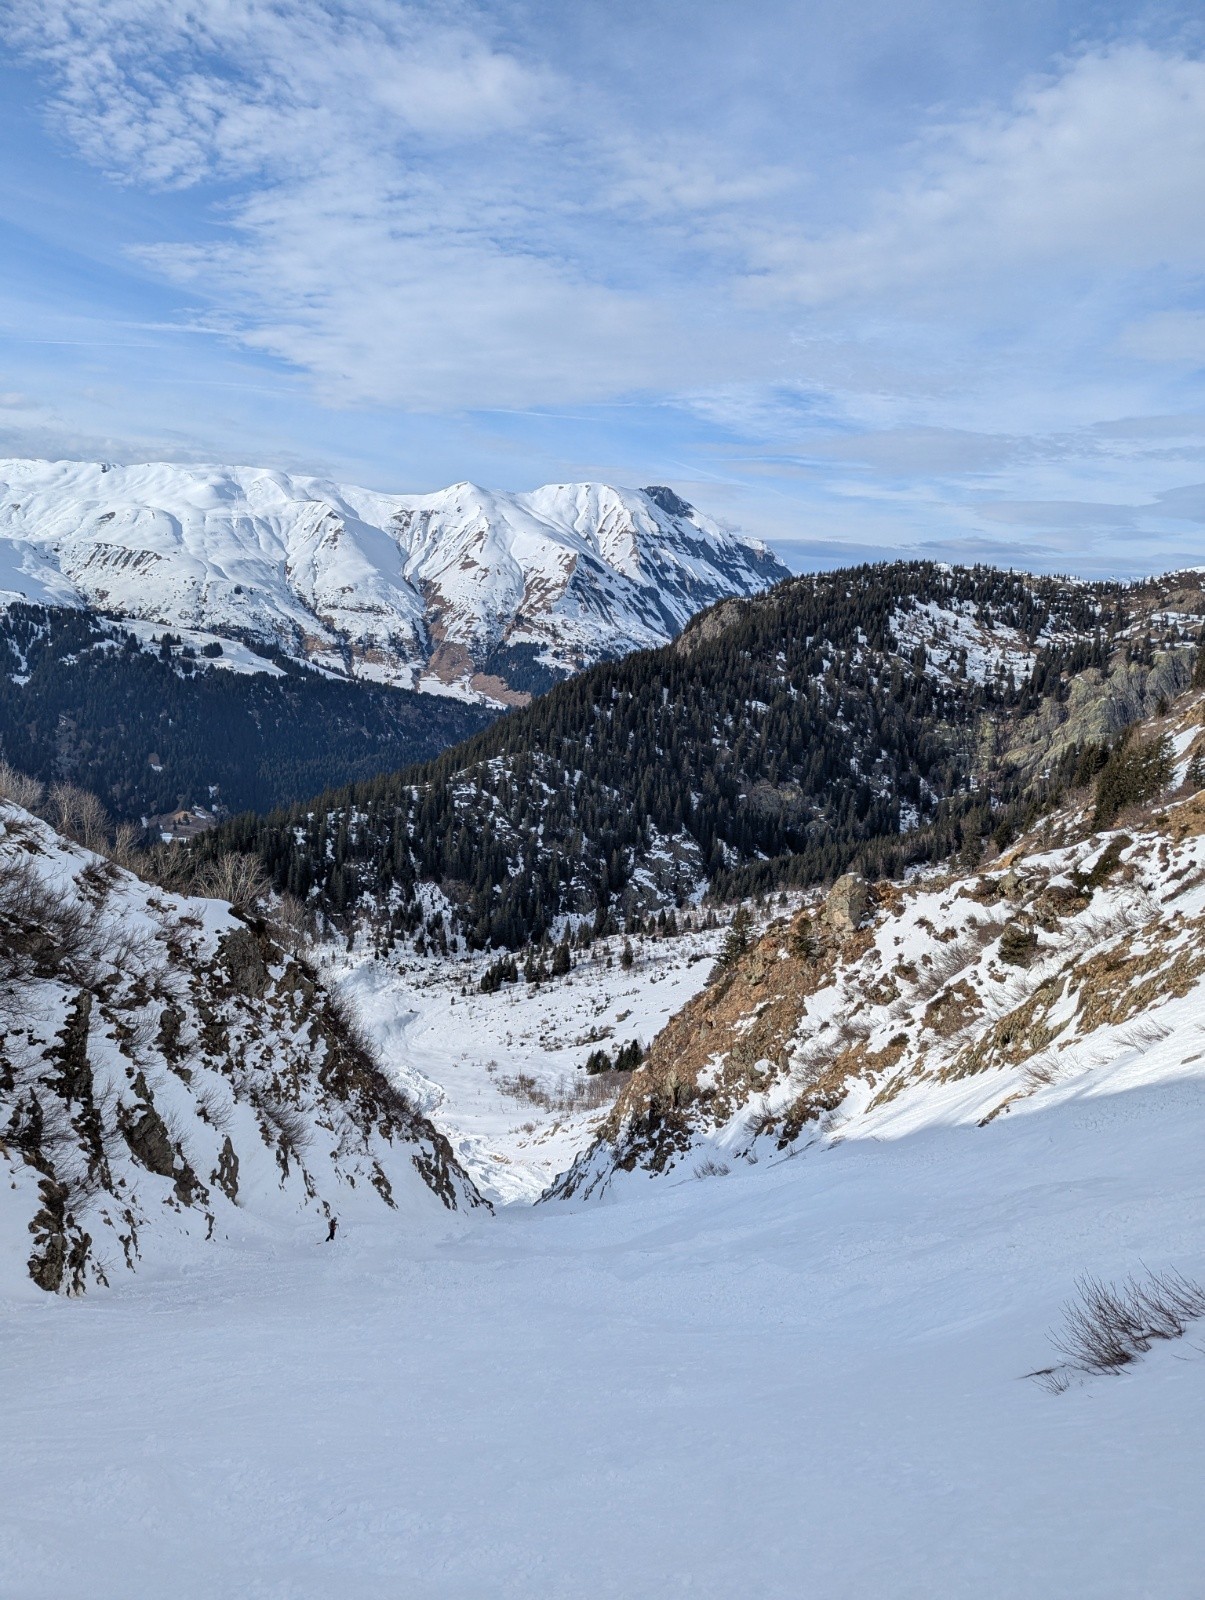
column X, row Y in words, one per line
column 801, row 1379
column 502, row 1074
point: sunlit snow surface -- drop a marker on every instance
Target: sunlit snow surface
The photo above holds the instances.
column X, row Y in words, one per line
column 461, row 1055
column 803, row 1379
column 402, row 589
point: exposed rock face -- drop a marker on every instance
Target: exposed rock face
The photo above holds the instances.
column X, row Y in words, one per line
column 225, row 1174
column 829, row 1019
column 847, row 903
column 245, row 962
column 497, row 594
column 710, row 626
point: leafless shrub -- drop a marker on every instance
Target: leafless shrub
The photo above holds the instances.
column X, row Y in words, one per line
column 19, row 789
column 952, row 959
column 1108, row 1326
column 42, row 928
column 395, row 1102
column 289, row 1122
column 233, row 876
column 1040, row 1070
column 214, row 1107
column 567, row 1095
column 128, row 950
column 1100, row 928
column 136, row 1033
column 761, row 1122
column 168, row 865
column 291, row 924
column 124, row 850
column 347, row 1019
column 816, row 1055
column 712, row 1169
column 1143, row 1034
column 80, row 815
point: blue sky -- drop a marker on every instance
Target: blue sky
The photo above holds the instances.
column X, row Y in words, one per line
column 857, row 278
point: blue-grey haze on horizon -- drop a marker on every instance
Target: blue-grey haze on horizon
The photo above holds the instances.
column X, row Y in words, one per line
column 920, row 278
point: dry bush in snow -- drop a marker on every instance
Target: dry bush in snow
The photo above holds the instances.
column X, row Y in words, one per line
column 712, row 1169
column 19, row 789
column 568, row 1094
column 1108, row 1326
column 235, row 877
column 80, row 815
column 41, row 929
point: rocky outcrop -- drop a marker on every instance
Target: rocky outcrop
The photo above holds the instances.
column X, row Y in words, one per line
column 146, row 1039
column 1057, row 959
column 846, row 904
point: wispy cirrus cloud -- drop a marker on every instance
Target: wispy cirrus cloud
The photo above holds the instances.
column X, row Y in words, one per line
column 436, row 212
column 384, row 227
column 1093, row 170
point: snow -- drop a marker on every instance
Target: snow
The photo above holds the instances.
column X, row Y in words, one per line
column 239, row 1072
column 460, row 1055
column 947, row 629
column 801, row 1379
column 236, row 657
column 324, row 571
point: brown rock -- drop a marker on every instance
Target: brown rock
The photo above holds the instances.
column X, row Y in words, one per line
column 847, row 904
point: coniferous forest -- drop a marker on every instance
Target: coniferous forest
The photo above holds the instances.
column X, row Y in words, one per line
column 148, row 730
column 777, row 741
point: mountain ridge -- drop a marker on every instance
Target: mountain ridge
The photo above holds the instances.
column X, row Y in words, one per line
column 485, row 594
column 887, row 713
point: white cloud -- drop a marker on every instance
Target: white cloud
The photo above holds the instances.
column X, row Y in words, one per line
column 412, row 208
column 417, row 215
column 1098, row 170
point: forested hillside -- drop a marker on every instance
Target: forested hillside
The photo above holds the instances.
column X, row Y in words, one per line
column 149, row 729
column 866, row 715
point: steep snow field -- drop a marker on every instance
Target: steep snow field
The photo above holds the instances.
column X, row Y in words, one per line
column 803, row 1379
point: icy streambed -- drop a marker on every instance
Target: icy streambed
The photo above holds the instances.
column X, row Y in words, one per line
column 797, row 1380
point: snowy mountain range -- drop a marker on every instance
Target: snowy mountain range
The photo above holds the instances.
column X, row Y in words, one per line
column 469, row 591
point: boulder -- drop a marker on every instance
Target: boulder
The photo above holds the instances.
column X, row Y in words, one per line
column 847, row 903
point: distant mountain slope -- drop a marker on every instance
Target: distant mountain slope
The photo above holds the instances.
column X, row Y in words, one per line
column 1074, row 965
column 480, row 593
column 880, row 713
column 172, row 1077
column 147, row 726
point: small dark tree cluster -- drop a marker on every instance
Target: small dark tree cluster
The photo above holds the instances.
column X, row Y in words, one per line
column 1138, row 770
column 504, row 970
column 627, row 1058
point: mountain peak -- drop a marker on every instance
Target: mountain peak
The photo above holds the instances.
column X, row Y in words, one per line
column 669, row 502
column 480, row 593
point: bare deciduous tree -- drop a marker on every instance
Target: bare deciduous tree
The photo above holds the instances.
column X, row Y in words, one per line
column 80, row 815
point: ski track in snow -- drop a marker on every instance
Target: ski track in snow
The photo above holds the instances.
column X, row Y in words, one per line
column 803, row 1379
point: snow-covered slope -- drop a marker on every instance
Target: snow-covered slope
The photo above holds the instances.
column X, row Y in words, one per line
column 173, row 1080
column 502, row 1074
column 1073, row 966
column 804, row 1379
column 468, row 591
